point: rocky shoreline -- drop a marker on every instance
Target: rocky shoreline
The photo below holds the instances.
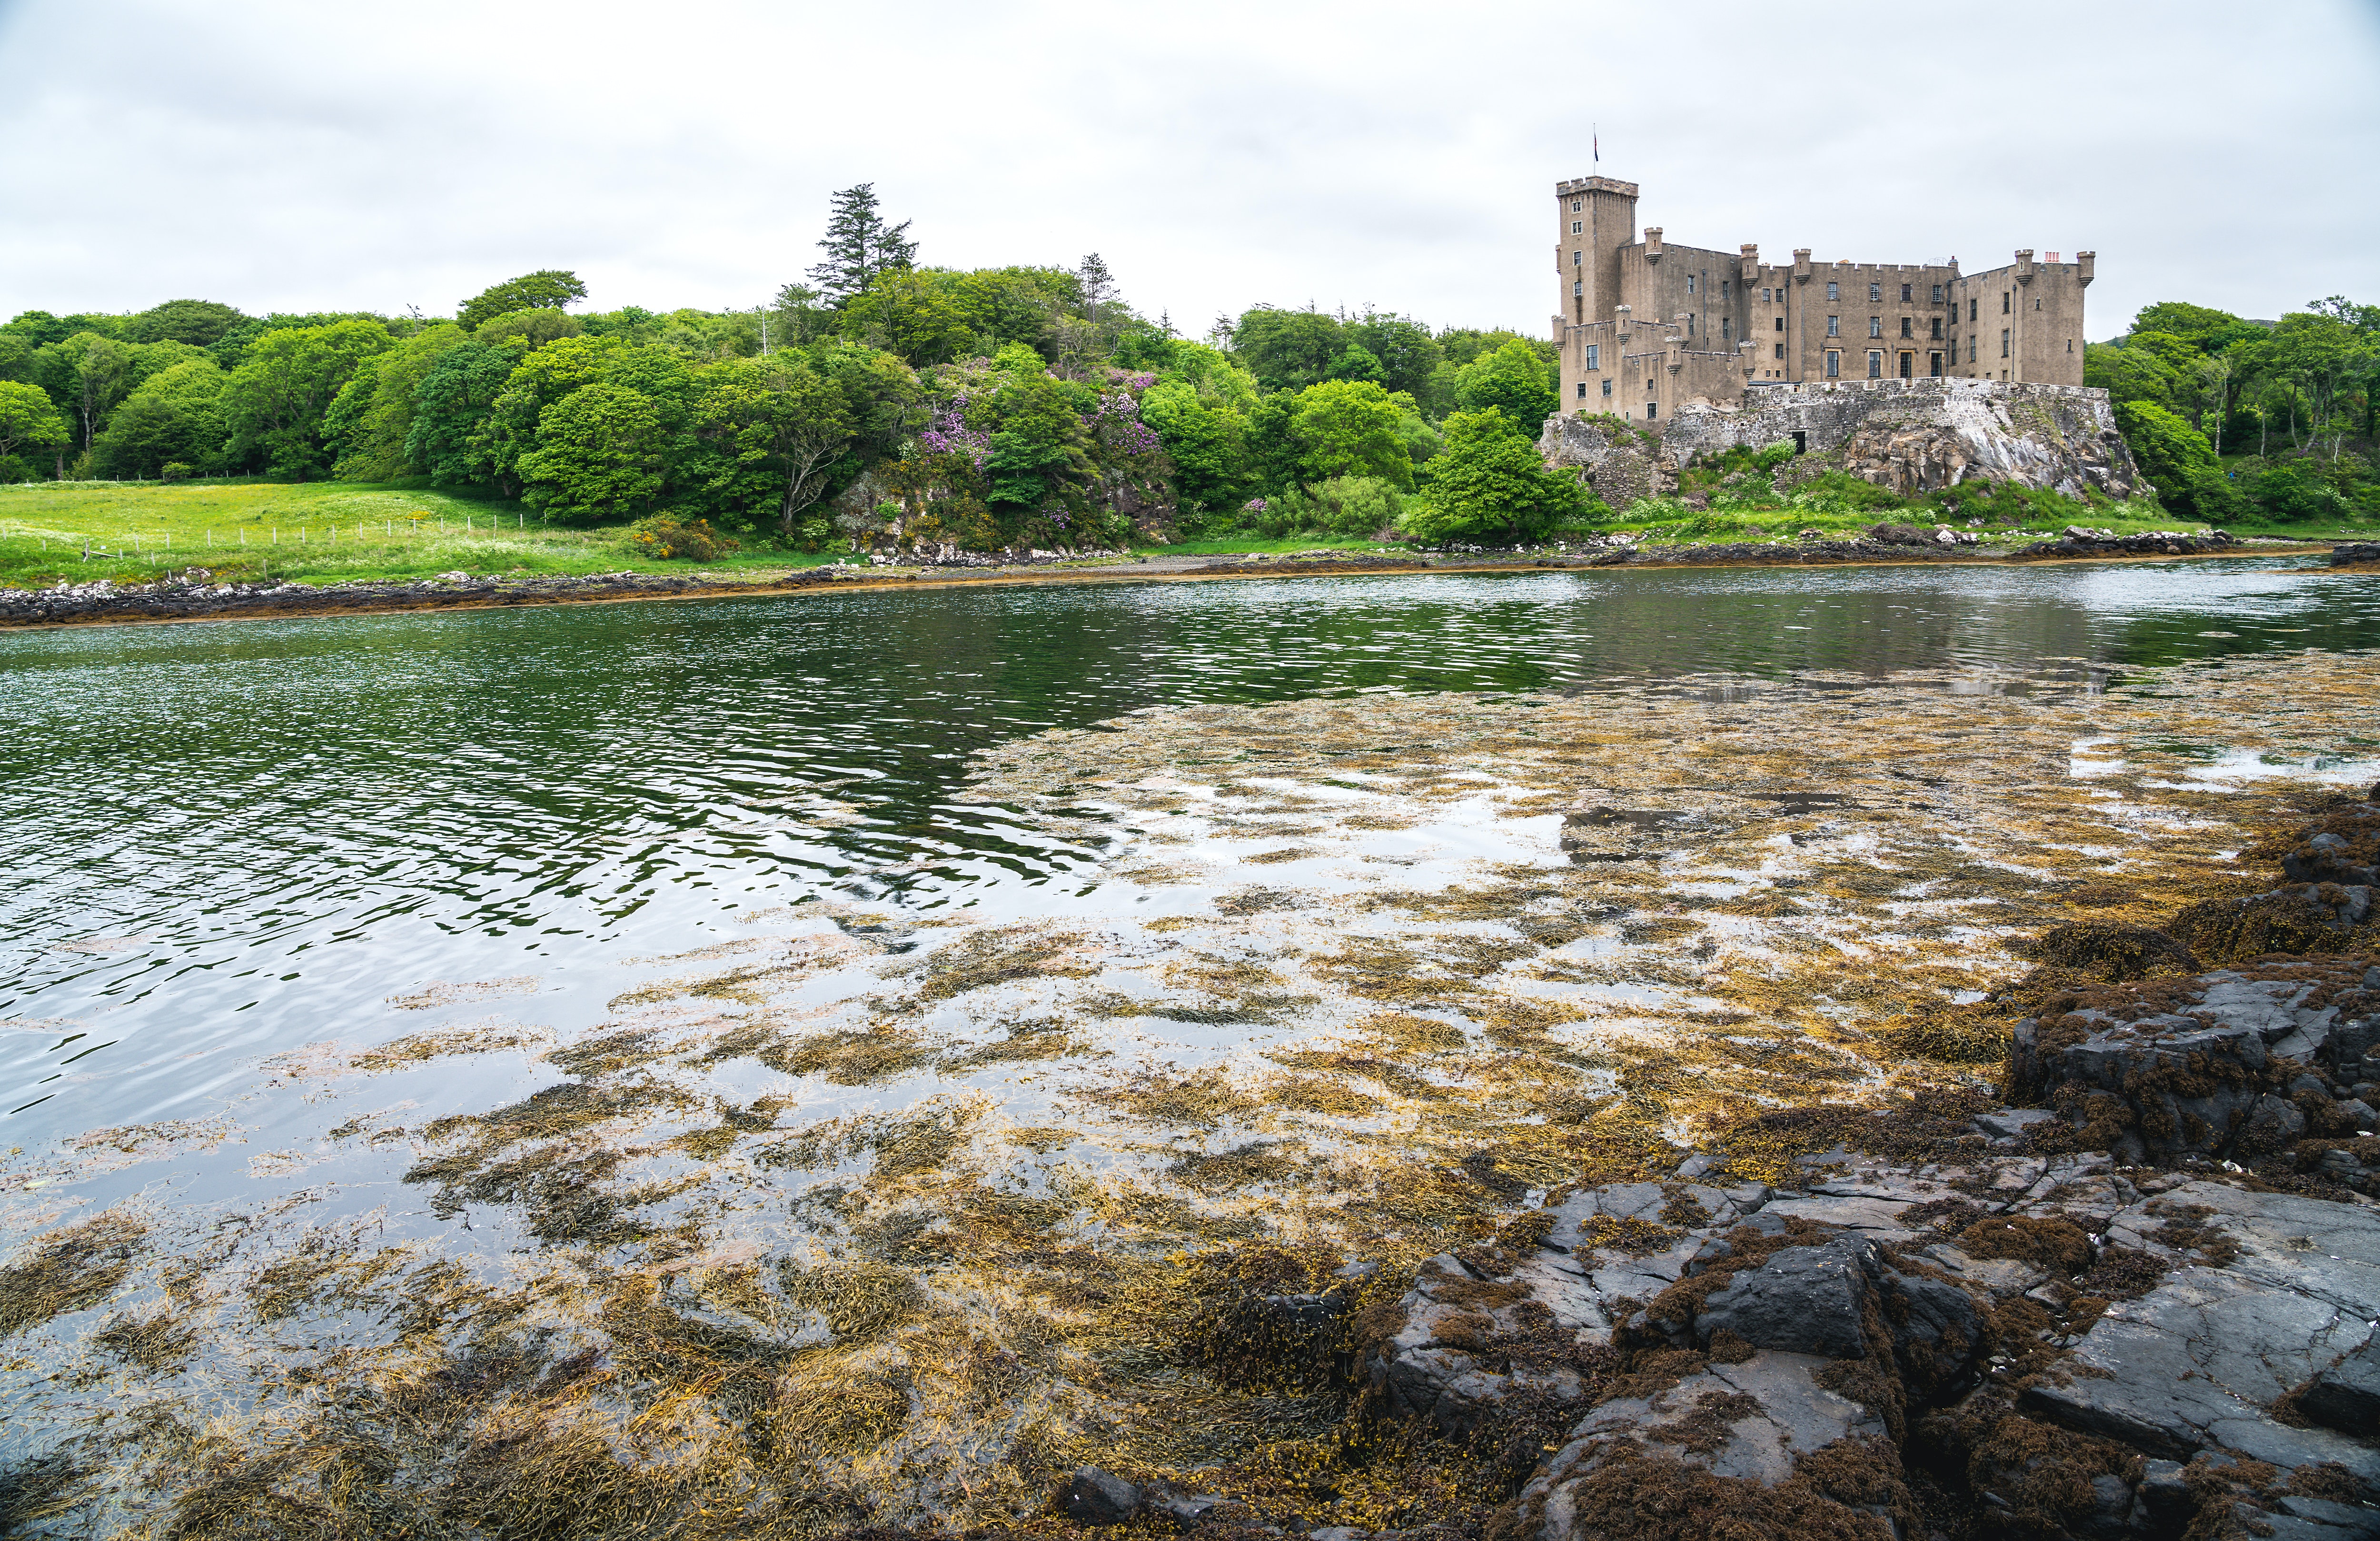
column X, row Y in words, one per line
column 2141, row 1304
column 196, row 595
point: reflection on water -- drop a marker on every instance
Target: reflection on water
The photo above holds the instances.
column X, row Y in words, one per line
column 858, row 1004
column 233, row 839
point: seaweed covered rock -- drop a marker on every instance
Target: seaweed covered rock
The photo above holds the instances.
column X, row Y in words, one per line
column 2209, row 1066
column 1844, row 1300
column 2115, row 954
column 2266, row 1294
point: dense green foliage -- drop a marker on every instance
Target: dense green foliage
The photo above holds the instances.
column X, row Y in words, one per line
column 1490, row 484
column 882, row 401
column 2238, row 422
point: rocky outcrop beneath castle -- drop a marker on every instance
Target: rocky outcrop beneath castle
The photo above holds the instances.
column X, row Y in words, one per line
column 1912, row 436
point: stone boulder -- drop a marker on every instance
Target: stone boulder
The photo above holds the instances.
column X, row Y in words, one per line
column 1836, row 1300
column 2204, row 1360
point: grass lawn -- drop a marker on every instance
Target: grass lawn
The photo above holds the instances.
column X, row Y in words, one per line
column 315, row 532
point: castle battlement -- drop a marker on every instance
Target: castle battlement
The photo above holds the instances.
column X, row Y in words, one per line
column 1727, row 324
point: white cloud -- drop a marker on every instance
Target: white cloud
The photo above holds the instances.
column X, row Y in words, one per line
column 287, row 156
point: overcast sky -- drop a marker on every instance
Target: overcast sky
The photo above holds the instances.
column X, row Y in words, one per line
column 369, row 156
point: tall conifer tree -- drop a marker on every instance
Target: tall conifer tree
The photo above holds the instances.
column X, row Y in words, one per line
column 859, row 245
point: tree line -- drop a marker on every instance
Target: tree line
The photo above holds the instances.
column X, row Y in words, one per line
column 991, row 407
column 881, row 398
column 2241, row 422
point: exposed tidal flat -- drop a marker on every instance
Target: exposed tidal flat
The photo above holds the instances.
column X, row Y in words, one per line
column 767, row 1068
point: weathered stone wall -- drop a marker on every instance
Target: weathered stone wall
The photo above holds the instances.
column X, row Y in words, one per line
column 1623, row 461
column 1909, row 435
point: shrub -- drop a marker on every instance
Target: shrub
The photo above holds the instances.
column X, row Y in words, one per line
column 667, row 538
column 174, row 470
column 1772, row 455
column 1357, row 505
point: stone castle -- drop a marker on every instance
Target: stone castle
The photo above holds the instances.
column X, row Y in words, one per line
column 1647, row 327
column 1916, row 375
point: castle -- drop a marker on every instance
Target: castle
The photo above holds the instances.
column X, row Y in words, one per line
column 1646, row 328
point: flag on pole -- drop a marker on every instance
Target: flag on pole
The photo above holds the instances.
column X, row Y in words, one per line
column 1598, row 147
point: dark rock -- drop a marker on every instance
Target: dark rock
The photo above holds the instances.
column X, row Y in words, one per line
column 2164, row 1498
column 1184, row 1508
column 1094, row 1498
column 2355, row 554
column 2186, row 1085
column 2198, row 1362
column 1901, row 535
column 1820, row 1299
column 2346, row 1395
column 2007, row 1123
column 2273, row 1124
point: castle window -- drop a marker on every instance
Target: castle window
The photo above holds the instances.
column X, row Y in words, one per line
column 2004, row 340
column 1834, row 365
column 1723, row 289
column 1971, row 349
column 1578, row 289
column 1576, row 204
column 1690, row 282
column 1937, row 329
column 1936, row 360
column 1904, row 326
column 1875, row 326
column 2036, row 302
column 2070, row 345
column 1908, row 365
column 1874, row 365
column 1607, row 387
column 1781, row 324
column 1576, row 226
column 1780, row 350
column 1724, row 322
column 1834, row 290
column 1652, row 409
column 2005, row 296
column 1834, row 326
column 1904, row 294
column 1574, row 259
column 1875, row 291
column 1937, row 294
column 1582, row 390
column 1594, row 360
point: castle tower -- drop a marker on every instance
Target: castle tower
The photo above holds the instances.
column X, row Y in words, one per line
column 1596, row 218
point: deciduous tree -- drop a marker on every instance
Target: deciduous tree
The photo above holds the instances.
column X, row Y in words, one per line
column 274, row 402
column 1490, row 481
column 546, row 289
column 1351, row 428
column 29, row 420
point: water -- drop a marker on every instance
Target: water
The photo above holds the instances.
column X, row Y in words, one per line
column 230, row 839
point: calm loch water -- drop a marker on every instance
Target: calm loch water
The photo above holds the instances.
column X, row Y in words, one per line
column 227, row 841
